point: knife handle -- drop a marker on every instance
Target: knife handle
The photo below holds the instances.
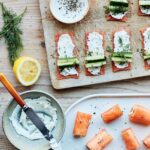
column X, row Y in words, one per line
column 11, row 90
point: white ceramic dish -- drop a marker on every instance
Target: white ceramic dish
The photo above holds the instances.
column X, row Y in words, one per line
column 98, row 104
column 69, row 11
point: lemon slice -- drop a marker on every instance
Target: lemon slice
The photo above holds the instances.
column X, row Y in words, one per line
column 27, row 70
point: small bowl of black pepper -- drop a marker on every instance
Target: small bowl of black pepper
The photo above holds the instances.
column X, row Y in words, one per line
column 69, row 11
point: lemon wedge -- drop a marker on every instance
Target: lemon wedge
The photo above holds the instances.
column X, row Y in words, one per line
column 27, row 70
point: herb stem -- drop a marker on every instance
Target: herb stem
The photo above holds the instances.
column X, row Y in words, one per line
column 11, row 32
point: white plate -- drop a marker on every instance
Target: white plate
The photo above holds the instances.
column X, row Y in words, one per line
column 98, row 104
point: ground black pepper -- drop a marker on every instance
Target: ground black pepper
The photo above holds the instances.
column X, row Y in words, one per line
column 71, row 6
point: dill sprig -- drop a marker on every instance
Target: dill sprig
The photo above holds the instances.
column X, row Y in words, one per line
column 11, row 32
column 123, row 54
column 120, row 41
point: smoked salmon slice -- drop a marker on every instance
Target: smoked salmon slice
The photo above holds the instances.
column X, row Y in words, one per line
column 99, row 141
column 140, row 115
column 82, row 123
column 146, row 142
column 112, row 114
column 75, row 51
column 130, row 140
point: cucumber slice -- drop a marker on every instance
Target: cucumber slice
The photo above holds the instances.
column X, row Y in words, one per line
column 67, row 62
column 63, row 60
column 94, row 58
column 95, row 64
column 123, row 55
column 117, row 9
column 120, row 59
column 119, row 2
column 144, row 3
column 146, row 57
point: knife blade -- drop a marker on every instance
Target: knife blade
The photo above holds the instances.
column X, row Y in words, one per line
column 41, row 126
column 37, row 122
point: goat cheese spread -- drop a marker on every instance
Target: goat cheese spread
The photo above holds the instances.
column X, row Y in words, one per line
column 121, row 43
column 65, row 49
column 95, row 47
column 24, row 127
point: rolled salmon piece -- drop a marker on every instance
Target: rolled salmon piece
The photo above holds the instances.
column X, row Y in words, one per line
column 146, row 142
column 112, row 114
column 140, row 115
column 82, row 123
column 130, row 140
column 99, row 141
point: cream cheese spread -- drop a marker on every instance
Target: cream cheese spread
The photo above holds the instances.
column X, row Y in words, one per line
column 65, row 46
column 95, row 44
column 24, row 127
column 94, row 70
column 145, row 11
column 69, row 71
column 118, row 16
column 146, row 35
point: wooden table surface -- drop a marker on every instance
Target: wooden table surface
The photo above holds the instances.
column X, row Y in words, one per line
column 33, row 40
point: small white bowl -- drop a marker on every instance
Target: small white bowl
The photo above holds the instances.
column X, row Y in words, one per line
column 69, row 11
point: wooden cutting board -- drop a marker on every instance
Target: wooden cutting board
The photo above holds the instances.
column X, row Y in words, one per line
column 93, row 21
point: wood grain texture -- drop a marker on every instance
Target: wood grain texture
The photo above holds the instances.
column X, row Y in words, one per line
column 33, row 46
column 95, row 20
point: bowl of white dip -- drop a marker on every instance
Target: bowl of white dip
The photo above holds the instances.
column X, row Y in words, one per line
column 21, row 132
column 69, row 11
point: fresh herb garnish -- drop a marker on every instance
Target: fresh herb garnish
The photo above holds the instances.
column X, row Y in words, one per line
column 11, row 32
column 122, row 63
column 126, row 47
column 109, row 49
column 107, row 10
column 90, row 53
column 138, row 50
column 120, row 41
column 125, row 54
